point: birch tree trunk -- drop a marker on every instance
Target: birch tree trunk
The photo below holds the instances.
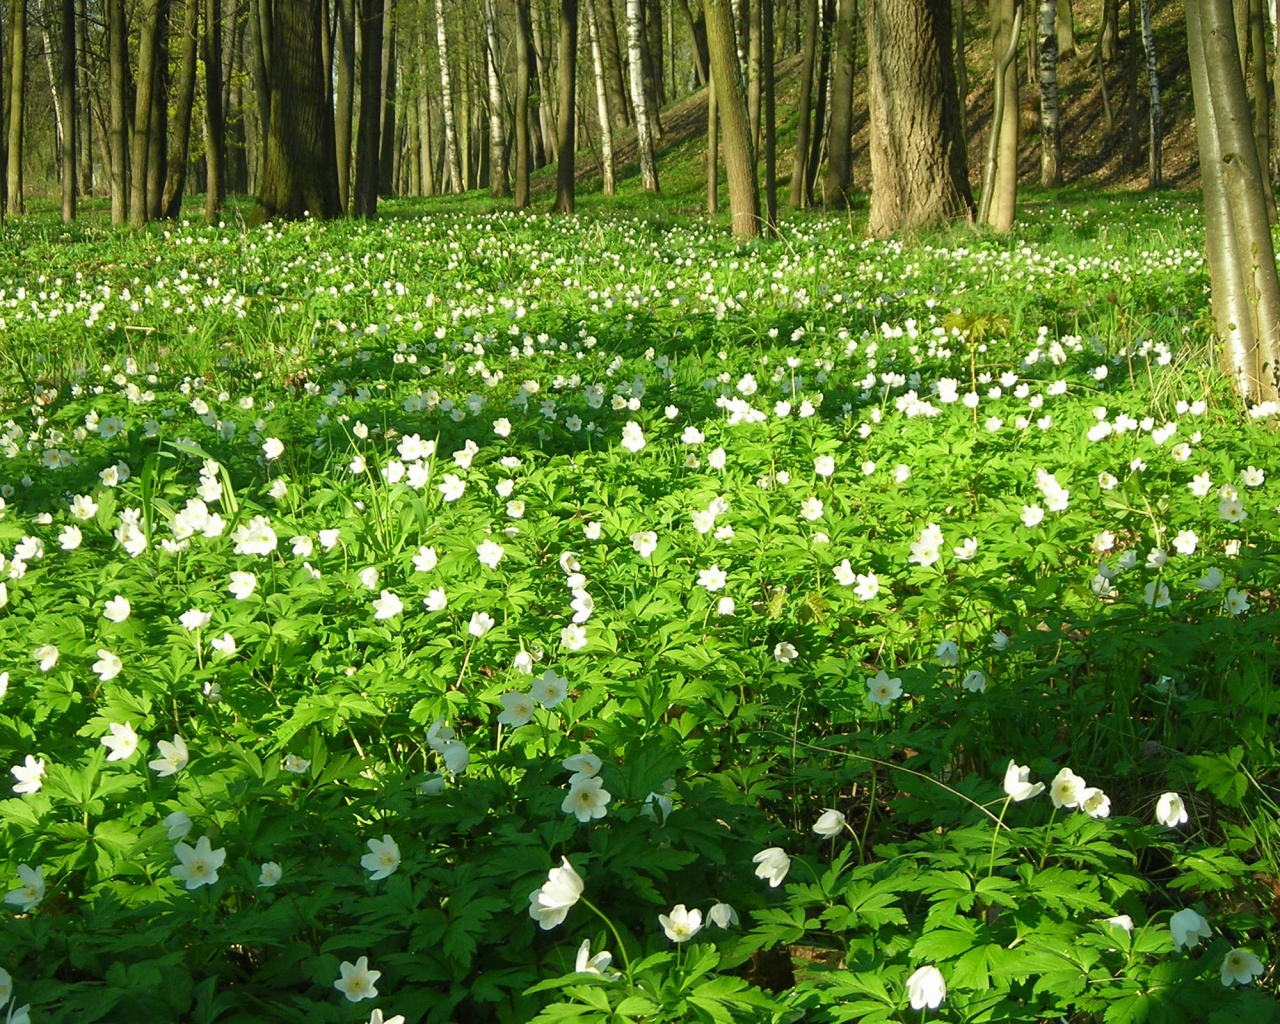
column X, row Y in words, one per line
column 602, row 104
column 1244, row 288
column 497, row 130
column 639, row 101
column 567, row 56
column 456, row 181
column 739, row 157
column 1155, row 161
column 1050, row 139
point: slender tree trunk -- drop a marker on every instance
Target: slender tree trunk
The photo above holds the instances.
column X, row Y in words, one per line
column 1000, row 182
column 344, row 94
column 611, row 55
column 1131, row 87
column 800, row 164
column 215, row 132
column 739, row 157
column 713, row 147
column 462, row 115
column 547, row 128
column 568, row 59
column 389, row 133
column 84, row 106
column 919, row 174
column 523, row 44
column 118, row 58
column 754, row 32
column 70, row 104
column 1155, row 161
column 148, row 43
column 698, row 30
column 55, row 94
column 770, row 121
column 17, row 103
column 1050, row 140
column 818, row 137
column 1109, row 35
column 1261, row 101
column 655, row 60
column 364, row 197
column 158, row 136
column 840, row 144
column 497, row 131
column 180, row 144
column 457, row 183
column 639, row 100
column 260, row 61
column 1066, row 29
column 301, row 174
column 1245, row 290
column 602, row 105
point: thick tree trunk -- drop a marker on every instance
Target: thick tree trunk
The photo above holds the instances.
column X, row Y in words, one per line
column 1244, row 288
column 639, row 100
column 919, row 175
column 840, row 142
column 17, row 104
column 1050, row 139
column 739, row 157
column 457, row 183
column 960, row 15
column 301, row 174
column 118, row 58
column 1155, row 159
column 71, row 108
column 214, row 123
column 497, row 130
column 800, row 163
column 1000, row 182
column 139, row 153
column 364, row 197
column 602, row 105
column 568, row 59
column 524, row 43
column 259, row 60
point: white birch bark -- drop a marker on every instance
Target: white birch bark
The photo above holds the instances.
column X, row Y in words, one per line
column 602, row 104
column 1050, row 140
column 640, row 102
column 456, row 182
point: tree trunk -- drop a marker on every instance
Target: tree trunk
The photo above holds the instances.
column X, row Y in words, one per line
column 70, row 106
column 524, row 43
column 180, row 144
column 655, row 61
column 259, row 45
column 1131, row 87
column 713, row 147
column 739, row 157
column 919, row 175
column 301, row 174
column 17, row 103
column 1050, row 140
column 456, row 181
column 364, row 197
column 639, row 100
column 139, row 153
column 770, row 121
column 568, row 59
column 1245, row 291
column 818, row 137
column 344, row 95
column 1155, row 161
column 84, row 106
column 800, row 163
column 1261, row 101
column 214, row 124
column 840, row 143
column 611, row 55
column 1000, row 182
column 1109, row 34
column 158, row 135
column 602, row 104
column 497, row 130
column 960, row 15
column 55, row 93
column 754, row 31
column 389, row 134
column 1066, row 30
column 118, row 58
column 698, row 30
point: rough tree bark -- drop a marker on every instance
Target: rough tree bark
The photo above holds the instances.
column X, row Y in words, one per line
column 919, row 174
column 739, row 158
column 1244, row 288
column 567, row 56
column 639, row 100
column 301, row 172
column 840, row 142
